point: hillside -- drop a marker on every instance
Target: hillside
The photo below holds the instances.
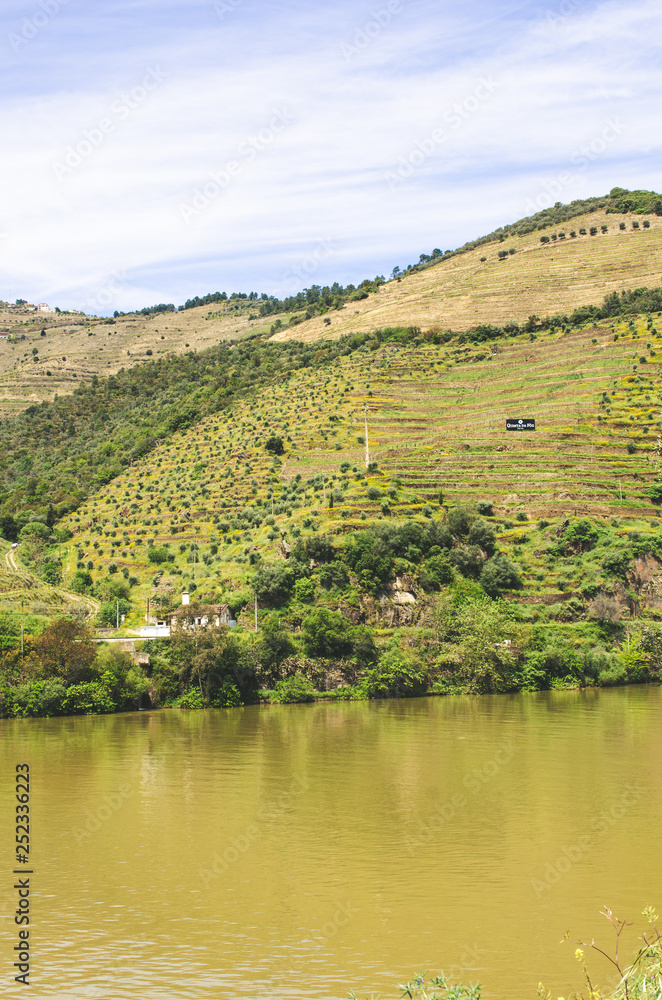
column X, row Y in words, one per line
column 436, row 418
column 445, row 553
column 34, row 368
column 455, row 291
column 538, row 278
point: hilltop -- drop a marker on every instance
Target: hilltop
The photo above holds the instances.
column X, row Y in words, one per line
column 500, row 278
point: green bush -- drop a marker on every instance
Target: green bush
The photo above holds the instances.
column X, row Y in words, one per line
column 581, row 536
column 227, row 696
column 108, row 612
column 499, row 574
column 88, row 698
column 275, row 445
column 612, row 675
column 304, row 591
column 293, row 689
column 326, row 634
column 468, row 559
column 400, row 673
column 437, row 572
column 273, row 583
column 157, row 555
column 483, row 535
column 35, row 529
column 191, row 699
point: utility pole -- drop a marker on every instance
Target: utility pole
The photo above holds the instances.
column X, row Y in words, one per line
column 117, row 606
column 367, row 446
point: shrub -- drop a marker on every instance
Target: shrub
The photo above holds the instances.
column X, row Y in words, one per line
column 437, row 572
column 605, row 609
column 273, row 583
column 293, row 689
column 274, row 444
column 228, row 695
column 326, row 634
column 613, row 675
column 580, row 536
column 400, row 673
column 304, row 591
column 460, row 519
column 468, row 559
column 371, row 559
column 191, row 699
column 82, row 582
column 35, row 529
column 157, row 555
column 617, row 563
column 654, row 491
column 483, row 535
column 374, row 493
column 109, row 610
column 499, row 574
column 88, row 698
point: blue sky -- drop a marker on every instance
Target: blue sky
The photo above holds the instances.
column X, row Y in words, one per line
column 158, row 149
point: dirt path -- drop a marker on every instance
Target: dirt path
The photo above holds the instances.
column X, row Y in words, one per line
column 11, row 562
column 90, row 602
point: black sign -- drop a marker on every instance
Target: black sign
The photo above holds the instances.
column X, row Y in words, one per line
column 520, row 425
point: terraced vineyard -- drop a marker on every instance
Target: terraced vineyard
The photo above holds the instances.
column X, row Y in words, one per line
column 212, row 499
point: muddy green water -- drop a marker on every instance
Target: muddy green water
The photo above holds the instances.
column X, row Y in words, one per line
column 302, row 851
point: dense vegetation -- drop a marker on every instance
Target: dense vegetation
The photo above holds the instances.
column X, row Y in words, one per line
column 56, row 454
column 317, row 627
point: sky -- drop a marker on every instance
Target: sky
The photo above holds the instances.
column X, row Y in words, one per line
column 154, row 150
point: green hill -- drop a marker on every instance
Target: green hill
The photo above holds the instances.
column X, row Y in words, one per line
column 241, row 472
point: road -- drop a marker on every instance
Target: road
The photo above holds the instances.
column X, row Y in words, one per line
column 91, row 604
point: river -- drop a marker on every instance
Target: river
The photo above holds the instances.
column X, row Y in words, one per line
column 303, row 851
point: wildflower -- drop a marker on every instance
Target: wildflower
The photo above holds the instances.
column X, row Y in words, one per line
column 579, row 955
